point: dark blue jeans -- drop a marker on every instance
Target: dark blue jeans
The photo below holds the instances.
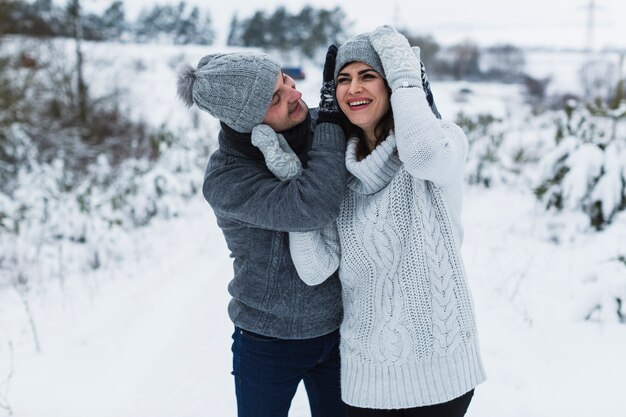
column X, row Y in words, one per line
column 454, row 408
column 268, row 370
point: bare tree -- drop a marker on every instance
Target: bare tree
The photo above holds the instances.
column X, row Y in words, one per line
column 597, row 78
column 505, row 62
column 81, row 88
column 428, row 48
column 465, row 60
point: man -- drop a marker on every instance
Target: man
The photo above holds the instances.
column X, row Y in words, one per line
column 285, row 331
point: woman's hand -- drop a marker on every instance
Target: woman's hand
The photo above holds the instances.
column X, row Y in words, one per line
column 400, row 62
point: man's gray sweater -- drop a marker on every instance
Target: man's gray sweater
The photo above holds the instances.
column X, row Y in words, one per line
column 255, row 211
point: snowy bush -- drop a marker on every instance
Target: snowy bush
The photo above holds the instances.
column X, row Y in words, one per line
column 586, row 171
column 498, row 150
column 484, row 144
column 603, row 293
column 41, row 109
column 88, row 220
column 70, row 192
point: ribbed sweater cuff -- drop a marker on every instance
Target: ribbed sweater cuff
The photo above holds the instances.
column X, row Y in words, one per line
column 412, row 384
column 329, row 136
column 405, row 81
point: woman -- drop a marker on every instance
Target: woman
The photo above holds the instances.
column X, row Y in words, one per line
column 408, row 338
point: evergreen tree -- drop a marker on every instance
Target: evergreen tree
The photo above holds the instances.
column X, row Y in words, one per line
column 173, row 23
column 330, row 25
column 114, row 23
column 206, row 34
column 93, row 27
column 7, row 17
column 307, row 32
column 152, row 23
column 185, row 28
column 324, row 28
column 193, row 28
column 234, row 33
column 43, row 19
column 277, row 36
column 254, row 30
column 306, row 40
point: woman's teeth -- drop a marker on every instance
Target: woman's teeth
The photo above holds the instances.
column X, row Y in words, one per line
column 358, row 103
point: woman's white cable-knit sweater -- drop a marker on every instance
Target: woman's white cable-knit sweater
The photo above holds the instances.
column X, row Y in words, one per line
column 408, row 336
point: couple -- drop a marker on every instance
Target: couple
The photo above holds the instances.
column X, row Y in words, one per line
column 362, row 234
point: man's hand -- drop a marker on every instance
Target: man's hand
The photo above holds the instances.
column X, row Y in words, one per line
column 328, row 111
column 279, row 157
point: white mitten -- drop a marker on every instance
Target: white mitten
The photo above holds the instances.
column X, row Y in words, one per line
column 400, row 62
column 279, row 157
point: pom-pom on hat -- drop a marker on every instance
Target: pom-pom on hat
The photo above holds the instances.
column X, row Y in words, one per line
column 358, row 48
column 237, row 88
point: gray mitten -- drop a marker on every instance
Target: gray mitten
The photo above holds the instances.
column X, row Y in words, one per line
column 279, row 157
column 400, row 62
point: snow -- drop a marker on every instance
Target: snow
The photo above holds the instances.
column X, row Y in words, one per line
column 152, row 337
column 147, row 333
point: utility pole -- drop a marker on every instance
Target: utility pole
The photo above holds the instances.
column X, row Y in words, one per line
column 396, row 15
column 589, row 38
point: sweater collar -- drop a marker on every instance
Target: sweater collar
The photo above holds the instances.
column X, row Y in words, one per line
column 233, row 142
column 373, row 173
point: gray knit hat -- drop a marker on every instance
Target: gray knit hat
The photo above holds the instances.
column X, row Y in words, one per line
column 358, row 48
column 237, row 88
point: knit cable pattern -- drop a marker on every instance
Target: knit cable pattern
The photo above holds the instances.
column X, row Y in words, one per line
column 391, row 341
column 445, row 327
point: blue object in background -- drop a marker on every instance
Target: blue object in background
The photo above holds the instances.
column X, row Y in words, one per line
column 294, row 72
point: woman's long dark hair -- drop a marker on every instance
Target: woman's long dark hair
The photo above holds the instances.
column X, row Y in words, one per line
column 382, row 130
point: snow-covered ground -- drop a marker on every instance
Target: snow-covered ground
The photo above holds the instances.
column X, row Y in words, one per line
column 151, row 337
column 148, row 335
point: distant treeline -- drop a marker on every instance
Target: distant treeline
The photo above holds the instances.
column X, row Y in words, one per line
column 307, row 31
column 178, row 24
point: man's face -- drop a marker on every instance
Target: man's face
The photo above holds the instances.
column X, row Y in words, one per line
column 287, row 109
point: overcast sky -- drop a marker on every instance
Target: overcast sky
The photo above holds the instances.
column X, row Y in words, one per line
column 559, row 23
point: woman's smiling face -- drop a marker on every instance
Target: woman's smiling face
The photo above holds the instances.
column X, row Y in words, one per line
column 362, row 95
